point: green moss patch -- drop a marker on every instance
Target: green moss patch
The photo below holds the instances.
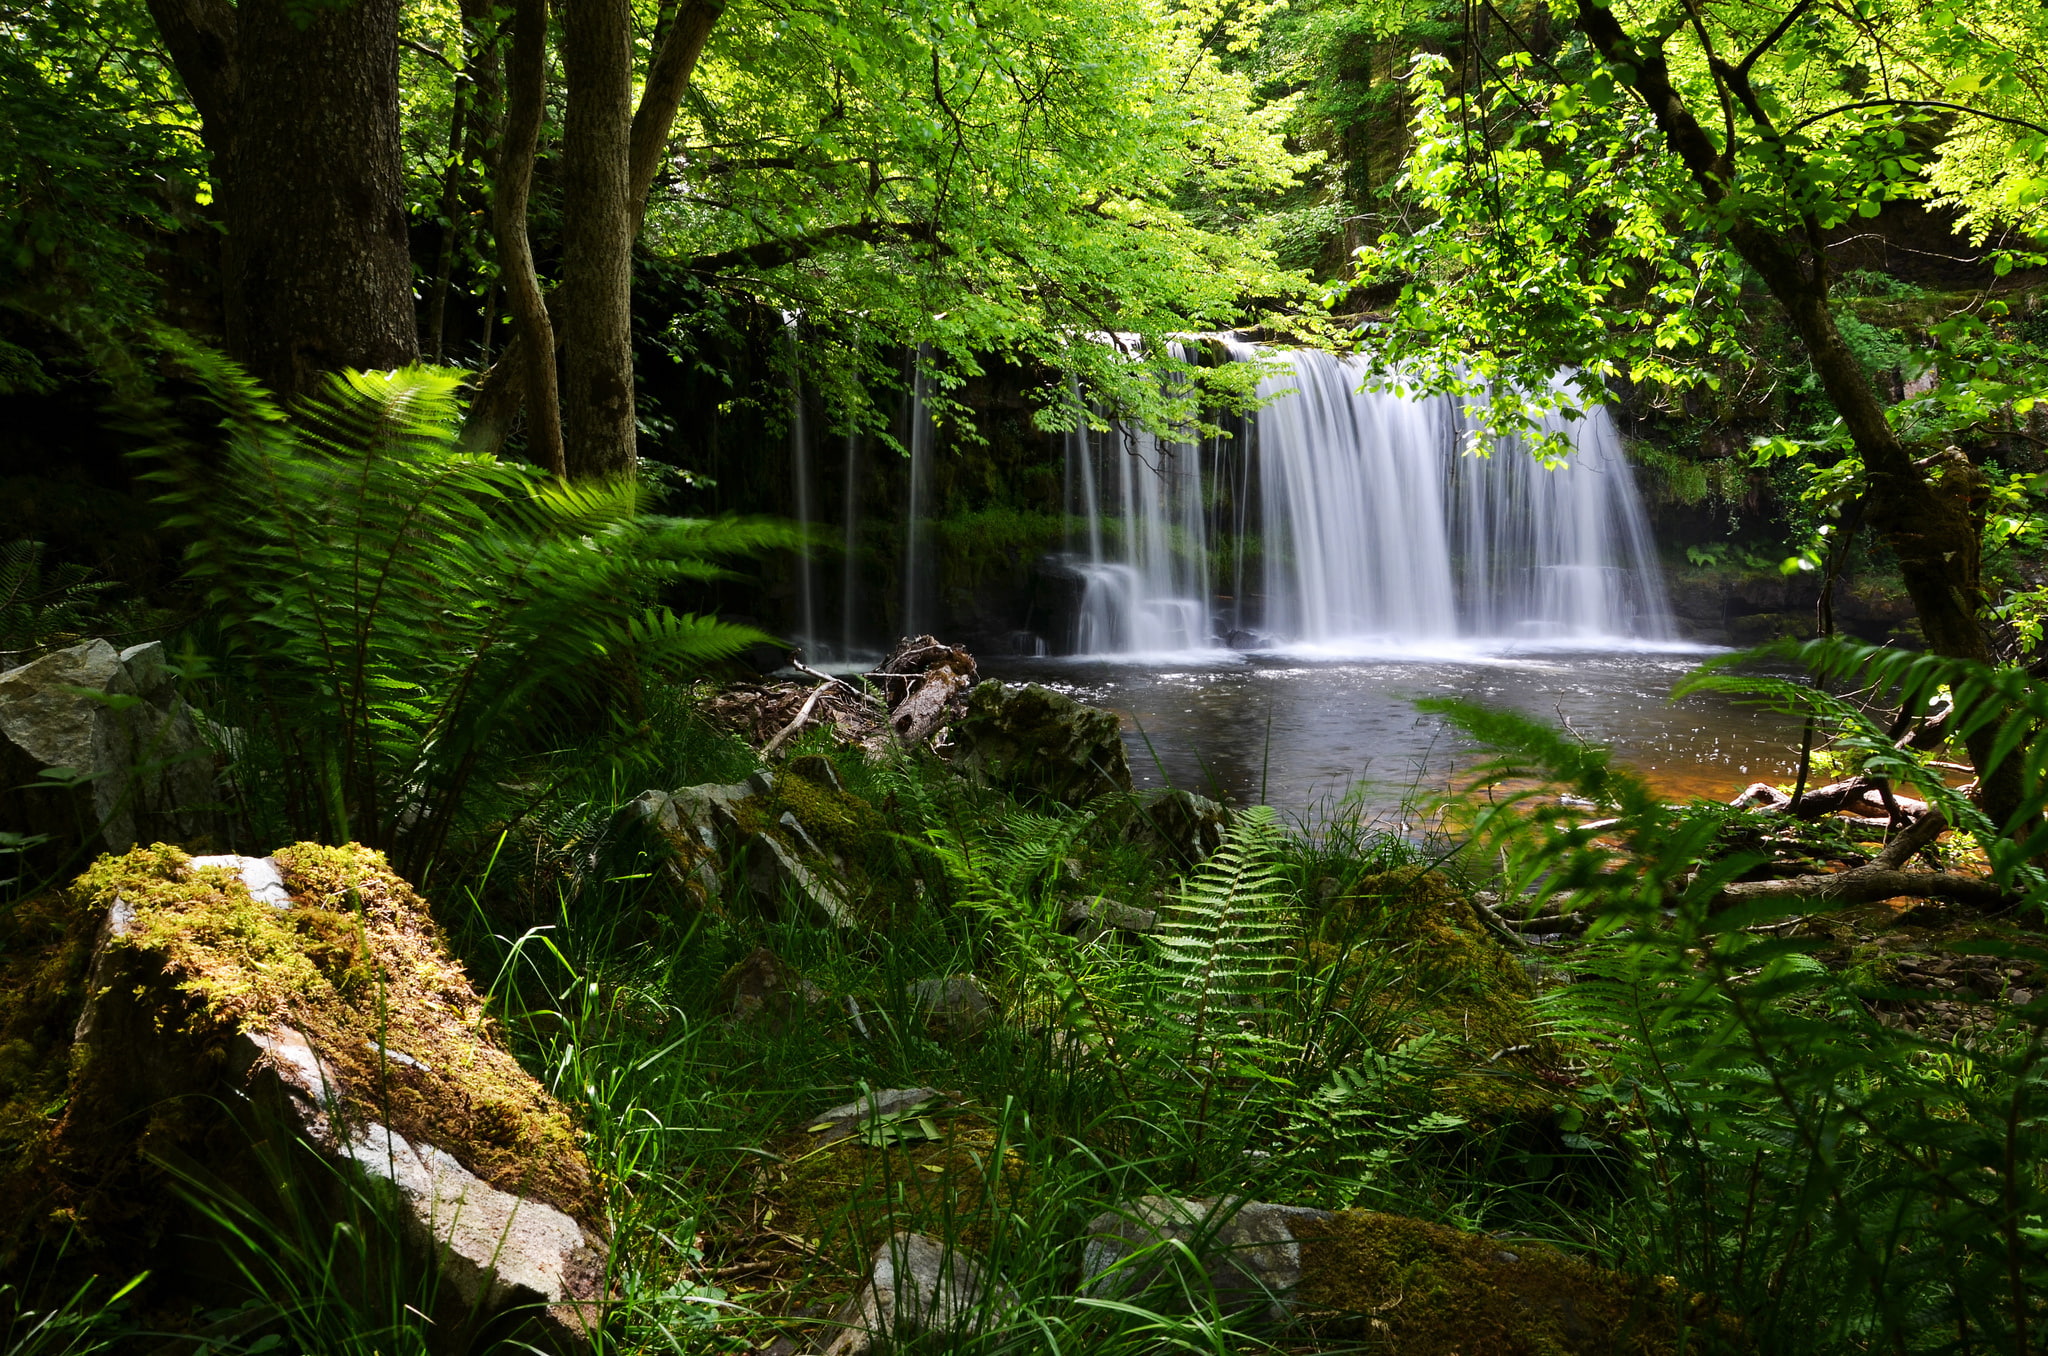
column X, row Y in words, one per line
column 1427, row 1290
column 944, row 1171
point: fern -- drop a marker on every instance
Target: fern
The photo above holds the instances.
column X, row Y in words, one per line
column 1222, row 946
column 1805, row 1163
column 42, row 608
column 402, row 611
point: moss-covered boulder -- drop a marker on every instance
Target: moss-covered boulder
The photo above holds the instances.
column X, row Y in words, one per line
column 225, row 1003
column 1410, row 943
column 1428, row 1290
column 1037, row 743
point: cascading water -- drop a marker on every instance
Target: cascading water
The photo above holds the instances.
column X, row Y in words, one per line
column 1380, row 527
column 916, row 587
column 1145, row 591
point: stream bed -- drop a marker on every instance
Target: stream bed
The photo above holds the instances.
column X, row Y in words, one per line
column 1303, row 731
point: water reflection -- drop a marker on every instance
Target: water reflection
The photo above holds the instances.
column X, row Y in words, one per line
column 1301, row 733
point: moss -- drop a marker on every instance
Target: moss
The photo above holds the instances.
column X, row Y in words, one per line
column 357, row 965
column 1426, row 1290
column 851, row 1194
column 1410, row 943
column 45, row 949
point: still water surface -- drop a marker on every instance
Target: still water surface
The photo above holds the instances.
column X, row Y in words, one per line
column 1301, row 731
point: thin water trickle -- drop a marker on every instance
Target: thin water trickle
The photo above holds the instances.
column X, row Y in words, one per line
column 916, row 586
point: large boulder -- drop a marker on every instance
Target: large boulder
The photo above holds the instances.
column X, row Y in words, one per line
column 229, row 1003
column 1034, row 742
column 97, row 747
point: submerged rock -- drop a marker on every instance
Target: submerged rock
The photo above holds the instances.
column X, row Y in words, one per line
column 132, row 763
column 227, row 999
column 1032, row 741
column 1247, row 1250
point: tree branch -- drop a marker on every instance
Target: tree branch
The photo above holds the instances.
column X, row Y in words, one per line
column 1984, row 113
column 775, row 253
column 668, row 80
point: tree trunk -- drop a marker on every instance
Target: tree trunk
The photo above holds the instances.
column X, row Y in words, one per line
column 526, row 80
column 597, row 238
column 501, row 390
column 318, row 276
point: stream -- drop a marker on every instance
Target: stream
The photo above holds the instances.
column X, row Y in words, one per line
column 1303, row 732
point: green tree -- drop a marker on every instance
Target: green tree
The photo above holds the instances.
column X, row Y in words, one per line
column 1613, row 200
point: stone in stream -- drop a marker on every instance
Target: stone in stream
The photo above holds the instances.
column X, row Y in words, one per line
column 230, row 1010
column 1032, row 741
column 918, row 1287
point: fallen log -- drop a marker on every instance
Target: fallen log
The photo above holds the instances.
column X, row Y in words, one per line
column 1883, row 878
column 1858, row 795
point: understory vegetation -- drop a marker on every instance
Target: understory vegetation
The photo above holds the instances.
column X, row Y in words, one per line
column 1552, row 1022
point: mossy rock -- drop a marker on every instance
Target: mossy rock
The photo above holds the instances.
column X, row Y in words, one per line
column 196, row 982
column 936, row 1168
column 1413, row 945
column 1424, row 1289
column 1036, row 743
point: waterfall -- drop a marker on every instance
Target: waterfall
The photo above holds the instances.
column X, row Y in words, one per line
column 849, row 583
column 916, row 588
column 1147, row 590
column 800, row 472
column 1380, row 525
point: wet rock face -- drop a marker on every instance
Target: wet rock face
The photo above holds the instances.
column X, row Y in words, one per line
column 227, row 999
column 142, row 770
column 1033, row 741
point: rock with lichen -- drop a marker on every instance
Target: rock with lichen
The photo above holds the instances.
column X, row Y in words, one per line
column 225, row 999
column 919, row 1287
column 1425, row 1289
column 1160, row 1249
column 1035, row 742
column 97, row 747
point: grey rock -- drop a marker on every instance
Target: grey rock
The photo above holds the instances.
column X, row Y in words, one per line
column 767, row 989
column 844, row 1121
column 916, row 1287
column 957, row 1004
column 773, row 865
column 1246, row 1249
column 140, row 766
column 1032, row 741
column 1099, row 916
column 1179, row 825
column 688, row 847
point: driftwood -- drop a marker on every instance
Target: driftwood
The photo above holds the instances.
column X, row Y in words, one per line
column 1883, row 878
column 1868, row 796
column 923, row 687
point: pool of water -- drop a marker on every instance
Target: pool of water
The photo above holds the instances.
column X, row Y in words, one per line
column 1302, row 730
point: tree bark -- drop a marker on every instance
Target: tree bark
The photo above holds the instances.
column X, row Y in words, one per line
column 1928, row 526
column 501, row 390
column 318, row 276
column 526, row 77
column 597, row 238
